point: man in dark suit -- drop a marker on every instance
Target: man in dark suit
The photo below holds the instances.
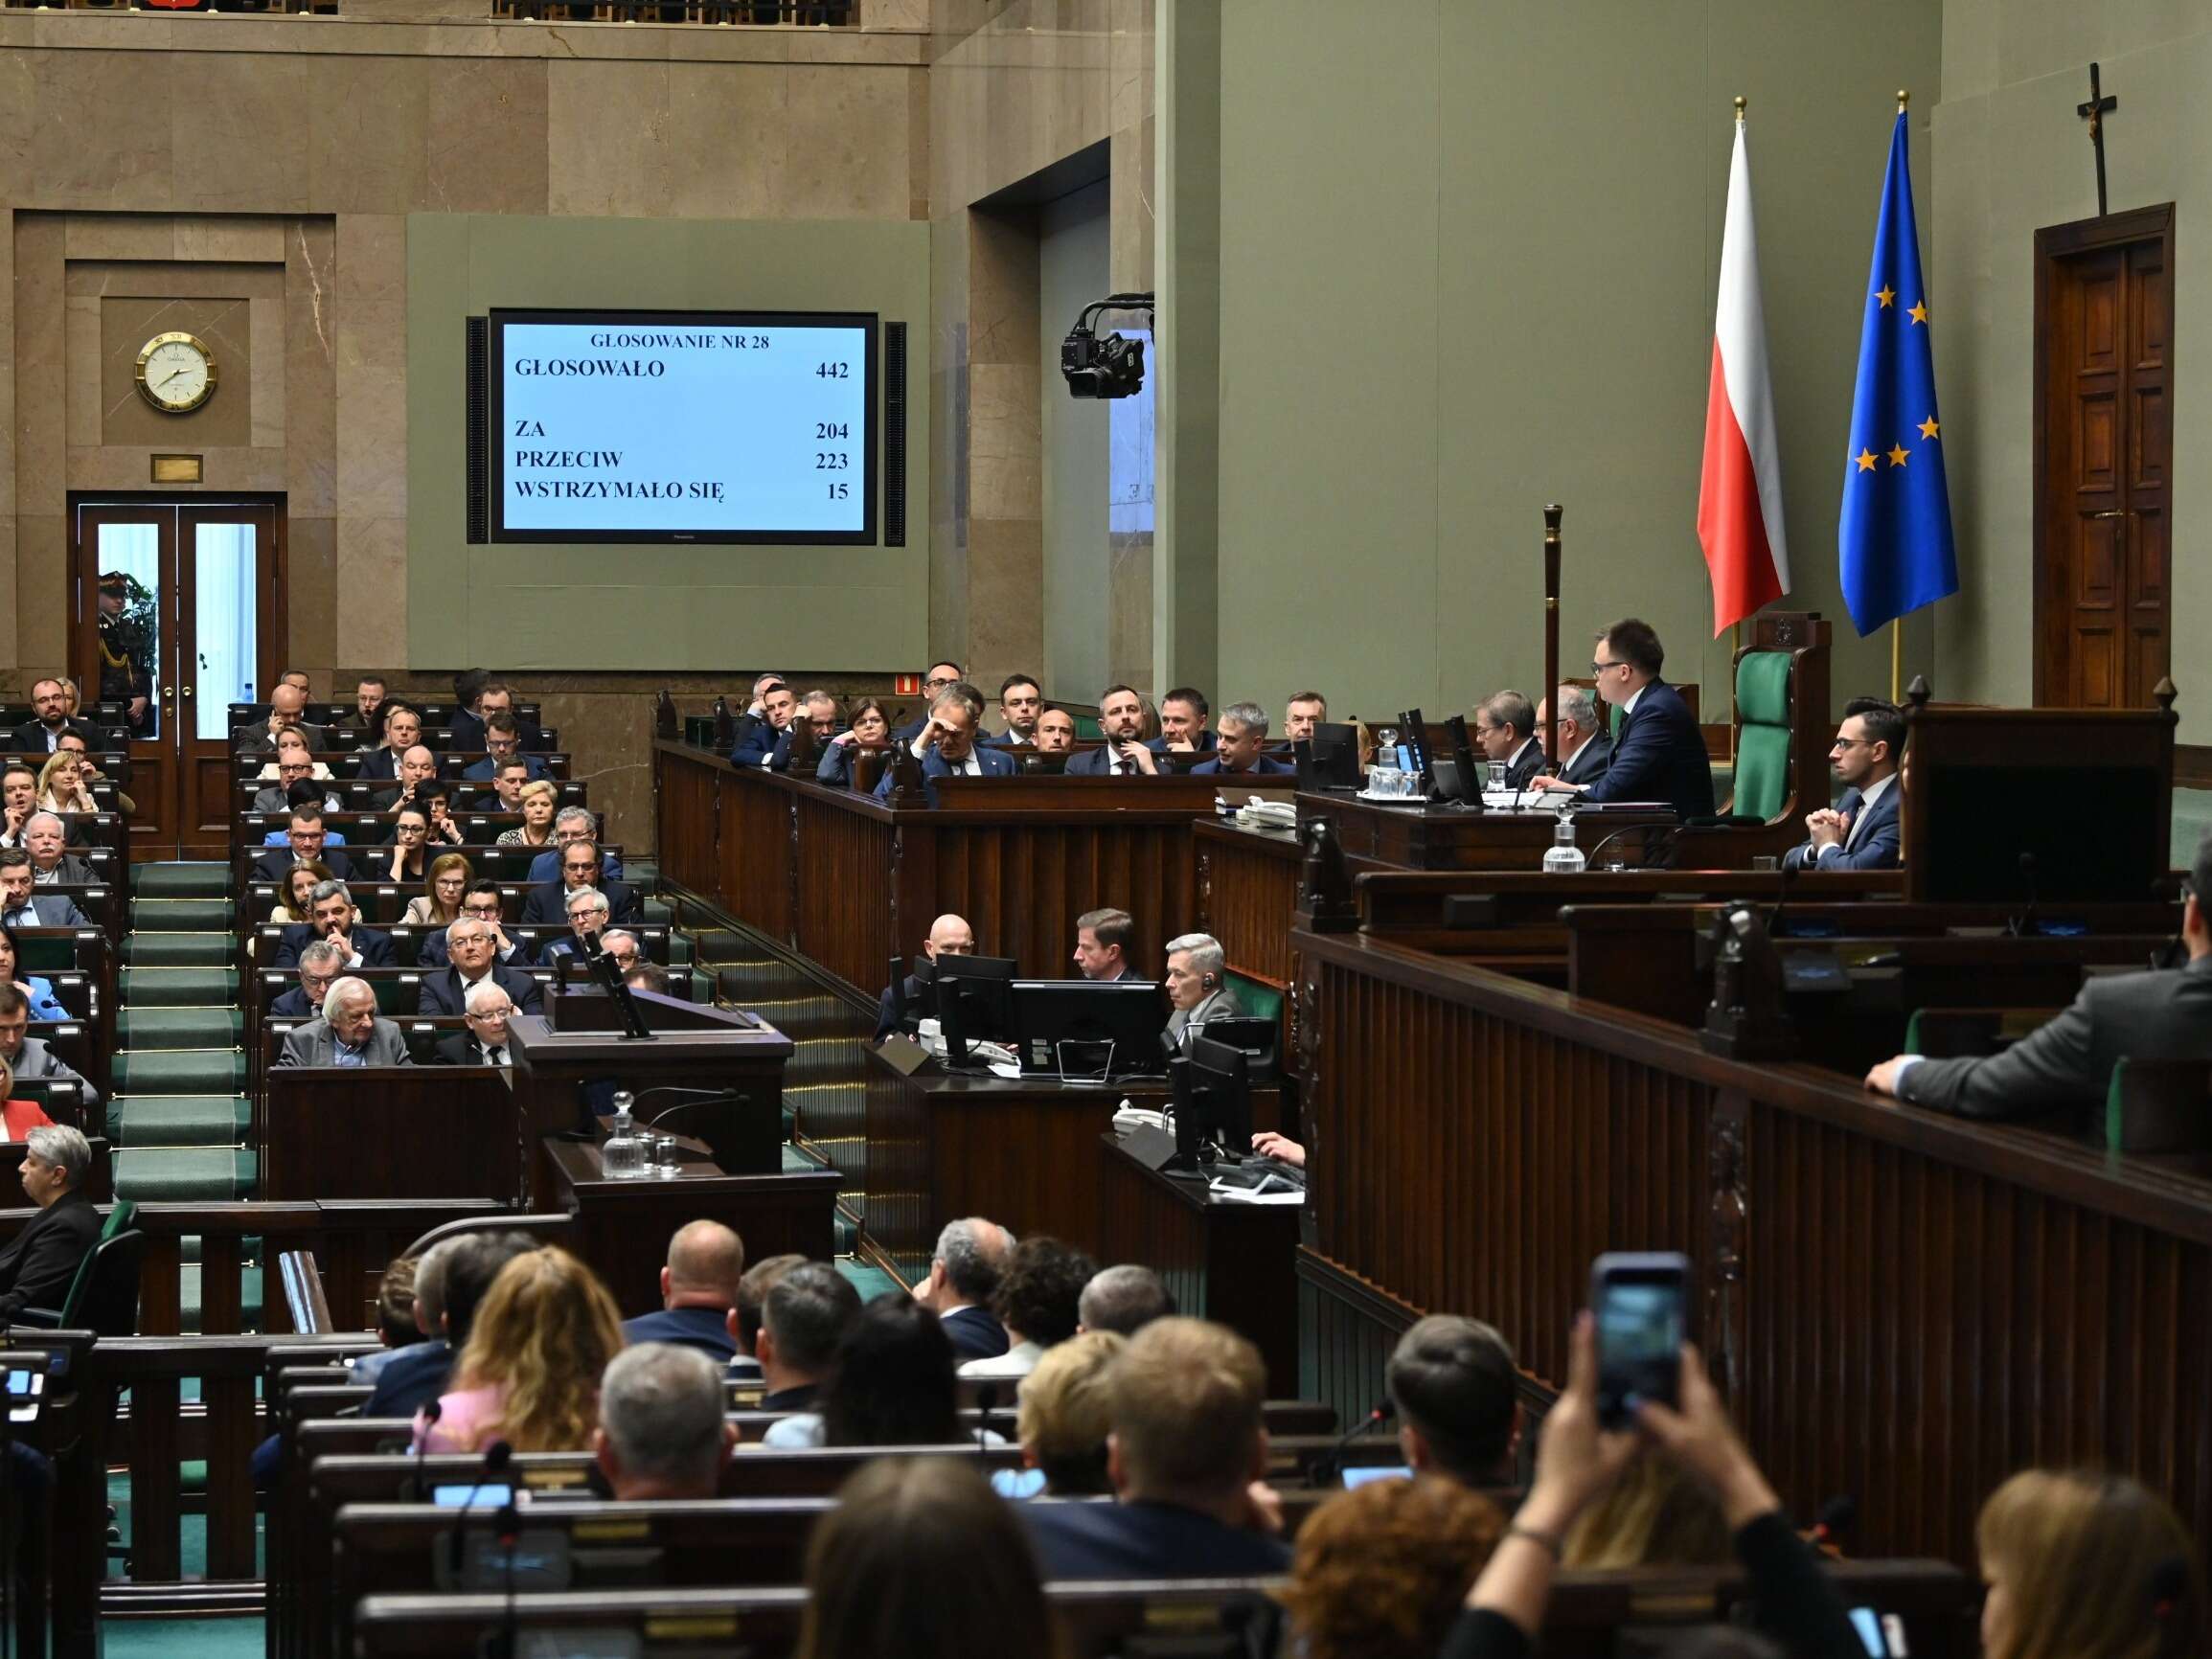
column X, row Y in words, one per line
column 805, row 1317
column 1862, row 831
column 470, row 729
column 1197, row 987
column 572, row 824
column 1101, row 944
column 964, row 1273
column 1659, row 753
column 46, row 838
column 502, row 743
column 1506, row 730
column 1187, row 1444
column 42, row 735
column 472, row 959
column 948, row 936
column 286, row 702
column 1183, row 730
column 322, row 964
column 303, row 844
column 2165, row 1014
column 818, row 719
column 580, row 867
column 757, row 739
column 1020, row 705
column 940, row 679
column 699, row 1290
column 484, row 902
column 402, row 731
column 1120, row 717
column 28, row 1056
column 418, row 772
column 948, row 745
column 1243, row 735
column 37, row 1268
column 337, row 920
column 355, row 728
column 20, row 908
column 487, row 1008
column 1582, row 740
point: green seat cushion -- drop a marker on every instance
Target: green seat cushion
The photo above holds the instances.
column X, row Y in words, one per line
column 1763, row 734
column 1258, row 998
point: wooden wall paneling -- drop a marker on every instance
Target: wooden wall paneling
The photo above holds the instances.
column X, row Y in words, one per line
column 844, row 897
column 688, row 796
column 756, row 853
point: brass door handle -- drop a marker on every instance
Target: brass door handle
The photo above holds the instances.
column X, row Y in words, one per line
column 2111, row 513
column 188, row 693
column 167, row 693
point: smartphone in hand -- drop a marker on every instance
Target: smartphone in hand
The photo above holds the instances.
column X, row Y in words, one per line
column 1640, row 1303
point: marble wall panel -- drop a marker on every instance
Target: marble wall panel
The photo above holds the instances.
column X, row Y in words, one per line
column 265, row 326
column 485, row 148
column 7, row 644
column 168, row 279
column 371, row 258
column 18, row 120
column 10, row 687
column 41, row 572
column 372, row 589
column 847, row 134
column 119, row 236
column 82, row 330
column 241, row 128
column 125, row 323
column 608, row 138
column 311, row 594
column 124, row 158
column 1006, row 616
column 118, row 466
column 729, row 128
column 41, row 378
column 311, row 363
column 234, row 239
column 368, row 134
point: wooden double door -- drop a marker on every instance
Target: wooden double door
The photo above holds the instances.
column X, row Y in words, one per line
column 179, row 613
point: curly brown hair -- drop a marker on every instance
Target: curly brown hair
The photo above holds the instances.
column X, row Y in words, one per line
column 1381, row 1570
column 1043, row 1289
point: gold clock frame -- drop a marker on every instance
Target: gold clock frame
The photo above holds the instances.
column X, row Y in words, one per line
column 176, row 336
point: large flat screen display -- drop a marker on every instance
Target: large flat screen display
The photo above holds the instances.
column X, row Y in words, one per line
column 631, row 426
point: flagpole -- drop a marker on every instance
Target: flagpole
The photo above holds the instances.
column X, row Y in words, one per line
column 1736, row 628
column 1896, row 658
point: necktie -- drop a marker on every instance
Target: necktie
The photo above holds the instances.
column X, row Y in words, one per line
column 497, row 1057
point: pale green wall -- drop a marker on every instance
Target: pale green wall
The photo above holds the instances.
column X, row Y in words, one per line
column 2012, row 156
column 1467, row 264
column 666, row 608
column 1073, row 265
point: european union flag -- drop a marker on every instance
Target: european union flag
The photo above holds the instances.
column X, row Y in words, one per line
column 1895, row 535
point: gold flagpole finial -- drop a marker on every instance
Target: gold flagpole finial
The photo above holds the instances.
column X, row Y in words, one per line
column 1739, row 102
column 1902, row 98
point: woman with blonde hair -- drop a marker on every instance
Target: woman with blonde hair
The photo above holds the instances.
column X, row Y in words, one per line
column 290, row 738
column 529, row 1373
column 1067, row 1412
column 2083, row 1565
column 1656, row 1516
column 539, row 798
column 439, row 903
column 62, row 785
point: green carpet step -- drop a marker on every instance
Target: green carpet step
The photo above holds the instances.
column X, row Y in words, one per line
column 180, row 1072
column 210, row 878
column 181, row 1175
column 178, row 988
column 177, row 950
column 659, row 910
column 145, row 1121
column 178, row 1028
column 189, row 1298
column 179, row 914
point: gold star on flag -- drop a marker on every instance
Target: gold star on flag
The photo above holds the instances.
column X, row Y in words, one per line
column 1898, row 457
column 1886, row 293
column 1919, row 312
column 1927, row 427
column 1866, row 459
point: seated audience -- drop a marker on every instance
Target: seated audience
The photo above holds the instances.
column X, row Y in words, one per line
column 805, row 1316
column 940, row 679
column 890, row 1383
column 1862, row 831
column 871, row 726
column 1659, row 753
column 580, row 872
column 350, row 1033
column 1305, row 711
column 402, row 731
column 537, row 802
column 360, row 725
column 571, row 824
column 503, row 747
column 1066, row 1412
column 294, row 901
column 337, row 920
column 1121, row 719
column 2164, row 1014
column 292, row 746
column 1035, row 1304
column 1183, row 730
column 306, row 842
column 757, row 739
column 661, row 1430
column 20, row 1117
column 1197, row 987
column 749, row 1310
column 73, row 743
column 1055, row 732
column 40, row 1262
column 471, row 960
column 529, row 1373
column 455, row 1276
column 1586, row 749
column 285, row 703
column 1455, row 1389
column 322, row 964
column 1187, row 1449
column 964, row 1273
column 62, row 785
column 37, row 990
column 1020, row 703
column 1123, row 1300
column 28, row 1057
column 471, row 725
column 417, row 770
column 1244, row 735
column 699, row 1289
column 819, row 718
column 622, row 948
column 293, row 770
column 45, row 837
column 1381, row 1571
column 920, row 1559
column 509, row 779
column 1505, row 729
column 399, row 1325
column 21, row 905
column 487, row 1008
column 298, row 677
column 947, row 746
column 439, row 903
column 2082, row 1562
column 49, row 710
column 1101, row 944
column 587, row 912
column 310, row 795
column 948, row 936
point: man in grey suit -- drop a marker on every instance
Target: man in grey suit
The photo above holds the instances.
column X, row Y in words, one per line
column 2161, row 1015
column 45, row 838
column 347, row 1034
column 28, row 1056
column 1583, row 738
column 18, row 908
column 1196, row 986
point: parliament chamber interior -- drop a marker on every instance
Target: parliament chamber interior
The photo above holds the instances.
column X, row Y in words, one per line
column 1427, row 875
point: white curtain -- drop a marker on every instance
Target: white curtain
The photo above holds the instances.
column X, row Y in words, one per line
column 135, row 550
column 225, row 580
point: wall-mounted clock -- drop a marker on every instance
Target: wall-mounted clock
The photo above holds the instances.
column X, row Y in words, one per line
column 176, row 373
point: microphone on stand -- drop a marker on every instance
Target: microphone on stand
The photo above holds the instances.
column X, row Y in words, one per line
column 1378, row 1414
column 497, row 1458
column 2024, row 924
column 431, row 1413
column 986, row 1402
column 1836, row 1517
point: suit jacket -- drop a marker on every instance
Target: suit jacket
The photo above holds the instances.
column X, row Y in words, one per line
column 1147, row 1542
column 1223, row 1003
column 378, row 763
column 976, row 1335
column 277, row 863
column 1531, row 762
column 546, row 866
column 835, row 766
column 53, row 910
column 293, row 1004
column 755, row 744
column 1095, row 762
column 1659, row 755
column 376, row 948
column 463, row 1049
column 544, row 907
column 482, row 770
column 72, row 872
column 1207, row 744
column 1870, row 845
column 431, row 951
column 1010, row 739
column 410, row 1380
column 39, row 1265
column 990, row 763
column 38, row 1061
column 31, row 738
column 887, row 1010
column 311, row 1045
column 1590, row 760
column 255, row 740
column 705, row 1328
column 441, row 991
column 2165, row 1014
column 1265, row 766
column 466, row 733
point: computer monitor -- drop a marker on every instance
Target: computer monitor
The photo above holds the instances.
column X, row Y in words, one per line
column 1209, row 1084
column 1034, row 765
column 1330, row 759
column 1260, row 1038
column 1130, row 1015
column 975, row 1002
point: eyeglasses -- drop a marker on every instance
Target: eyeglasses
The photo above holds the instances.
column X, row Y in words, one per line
column 490, row 1014
column 1853, row 743
column 480, row 907
column 1601, row 668
column 938, row 682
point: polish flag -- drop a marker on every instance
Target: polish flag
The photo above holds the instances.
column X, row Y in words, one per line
column 1740, row 496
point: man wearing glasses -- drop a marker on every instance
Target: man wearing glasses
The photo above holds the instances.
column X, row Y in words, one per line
column 1861, row 832
column 2165, row 1014
column 1659, row 753
column 481, row 903
column 941, row 678
column 322, row 964
column 580, row 870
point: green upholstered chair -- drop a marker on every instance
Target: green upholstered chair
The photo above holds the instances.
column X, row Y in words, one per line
column 1086, row 726
column 2158, row 1106
column 1256, row 996
column 1762, row 731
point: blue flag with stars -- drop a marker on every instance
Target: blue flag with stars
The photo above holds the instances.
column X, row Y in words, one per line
column 1895, row 533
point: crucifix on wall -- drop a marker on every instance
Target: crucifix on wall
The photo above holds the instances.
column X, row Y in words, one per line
column 2094, row 112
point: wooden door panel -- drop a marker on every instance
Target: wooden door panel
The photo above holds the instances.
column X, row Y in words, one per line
column 2096, row 443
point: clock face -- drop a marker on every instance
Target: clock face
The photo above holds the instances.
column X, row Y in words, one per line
column 175, row 373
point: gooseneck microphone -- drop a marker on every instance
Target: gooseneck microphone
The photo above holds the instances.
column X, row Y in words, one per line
column 1381, row 1412
column 986, row 1402
column 431, row 1413
column 497, row 1458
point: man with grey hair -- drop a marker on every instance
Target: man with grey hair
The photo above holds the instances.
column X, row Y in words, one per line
column 28, row 1056
column 321, row 963
column 1241, row 733
column 661, row 1432
column 1505, row 727
column 349, row 1034
column 580, row 867
column 336, row 918
column 1123, row 1300
column 473, row 959
column 588, row 911
column 1584, row 749
column 45, row 837
column 964, row 1275
column 948, row 744
column 821, row 718
column 37, row 1268
column 572, row 824
column 1197, row 986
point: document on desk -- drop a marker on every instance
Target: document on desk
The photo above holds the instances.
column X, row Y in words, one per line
column 1245, row 1196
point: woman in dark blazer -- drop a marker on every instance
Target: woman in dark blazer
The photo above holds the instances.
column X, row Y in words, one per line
column 870, row 725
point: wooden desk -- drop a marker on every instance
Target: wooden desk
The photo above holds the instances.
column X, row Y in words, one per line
column 1248, row 890
column 1222, row 1260
column 389, row 1132
column 1424, row 837
column 623, row 1227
